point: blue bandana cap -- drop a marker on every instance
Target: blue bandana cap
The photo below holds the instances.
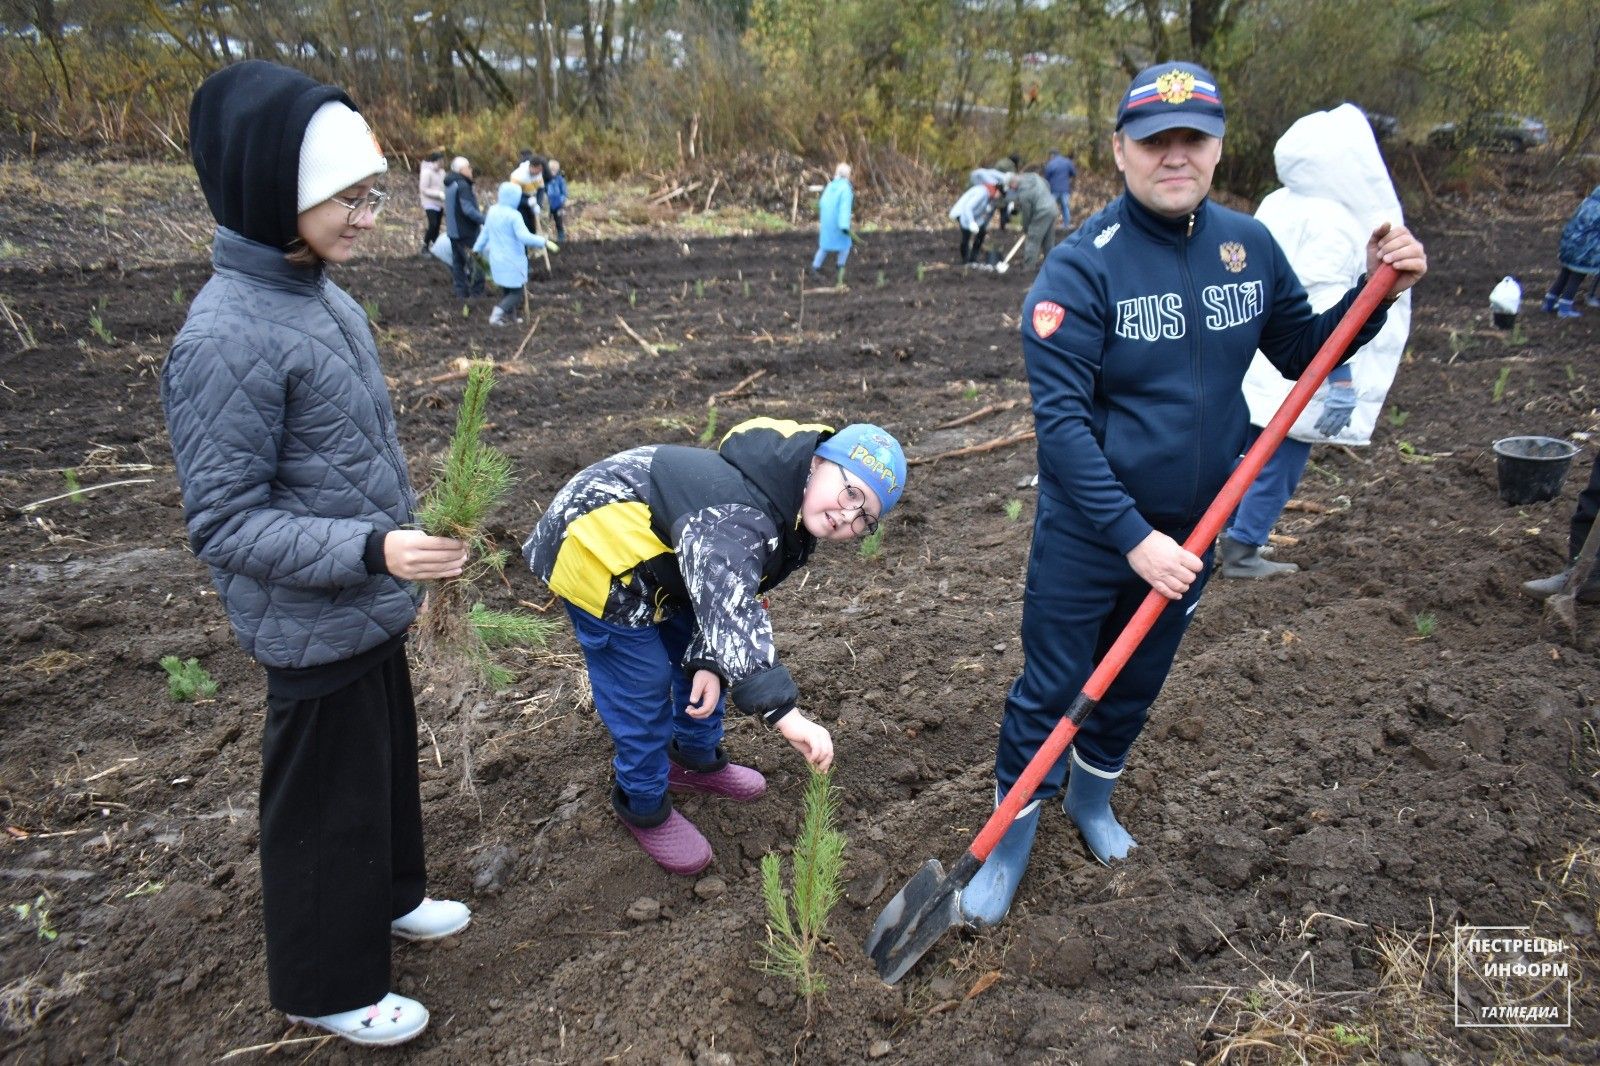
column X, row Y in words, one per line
column 872, row 455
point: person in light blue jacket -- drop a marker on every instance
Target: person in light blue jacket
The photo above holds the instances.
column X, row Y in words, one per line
column 501, row 241
column 833, row 228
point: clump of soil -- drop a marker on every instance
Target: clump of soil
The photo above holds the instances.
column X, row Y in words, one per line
column 1317, row 774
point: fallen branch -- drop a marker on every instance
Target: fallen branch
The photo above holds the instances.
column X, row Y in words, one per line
column 461, row 375
column 1282, row 540
column 986, row 446
column 829, row 290
column 675, row 193
column 276, row 1044
column 728, row 394
column 528, row 337
column 1309, row 506
column 127, row 468
column 83, row 492
column 715, row 181
column 646, row 345
column 1426, row 188
column 982, row 412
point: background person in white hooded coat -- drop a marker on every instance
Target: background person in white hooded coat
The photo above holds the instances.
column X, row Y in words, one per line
column 1336, row 189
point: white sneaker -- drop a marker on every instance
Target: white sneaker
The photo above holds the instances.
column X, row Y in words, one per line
column 392, row 1020
column 433, row 919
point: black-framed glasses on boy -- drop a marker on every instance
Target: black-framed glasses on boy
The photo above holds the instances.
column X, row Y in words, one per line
column 854, row 499
column 373, row 201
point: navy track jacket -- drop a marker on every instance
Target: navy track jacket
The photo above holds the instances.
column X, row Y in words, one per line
column 1136, row 335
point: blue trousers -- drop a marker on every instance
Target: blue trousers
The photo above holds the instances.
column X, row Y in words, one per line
column 641, row 691
column 822, row 253
column 1066, row 212
column 1263, row 501
column 1081, row 592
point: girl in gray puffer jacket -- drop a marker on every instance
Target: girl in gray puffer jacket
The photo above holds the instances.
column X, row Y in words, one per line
column 296, row 494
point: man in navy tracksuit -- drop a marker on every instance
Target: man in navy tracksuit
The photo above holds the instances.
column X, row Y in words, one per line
column 1136, row 334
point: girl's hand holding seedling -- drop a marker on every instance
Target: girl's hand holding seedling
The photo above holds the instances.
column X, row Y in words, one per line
column 808, row 738
column 412, row 555
column 704, row 693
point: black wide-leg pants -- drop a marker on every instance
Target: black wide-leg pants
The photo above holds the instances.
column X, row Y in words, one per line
column 341, row 838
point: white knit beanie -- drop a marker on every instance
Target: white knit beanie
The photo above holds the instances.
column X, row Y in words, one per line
column 338, row 150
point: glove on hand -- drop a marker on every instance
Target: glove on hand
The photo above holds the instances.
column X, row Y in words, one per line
column 1337, row 408
column 551, row 246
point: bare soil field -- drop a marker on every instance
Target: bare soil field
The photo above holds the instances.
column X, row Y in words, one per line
column 1328, row 788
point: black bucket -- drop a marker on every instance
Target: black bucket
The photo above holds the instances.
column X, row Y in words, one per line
column 1531, row 469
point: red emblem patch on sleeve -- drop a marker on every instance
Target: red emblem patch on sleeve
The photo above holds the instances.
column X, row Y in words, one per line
column 1047, row 316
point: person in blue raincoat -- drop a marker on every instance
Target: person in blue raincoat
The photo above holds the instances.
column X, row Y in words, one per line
column 833, row 212
column 502, row 239
column 1579, row 257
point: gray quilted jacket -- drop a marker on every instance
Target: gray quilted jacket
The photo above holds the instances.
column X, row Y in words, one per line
column 285, row 445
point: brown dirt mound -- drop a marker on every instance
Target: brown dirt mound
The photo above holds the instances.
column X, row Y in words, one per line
column 1316, row 775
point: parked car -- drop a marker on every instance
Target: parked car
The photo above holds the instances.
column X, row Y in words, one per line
column 1498, row 132
column 1383, row 126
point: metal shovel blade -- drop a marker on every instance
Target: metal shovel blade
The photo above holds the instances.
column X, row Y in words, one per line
column 914, row 920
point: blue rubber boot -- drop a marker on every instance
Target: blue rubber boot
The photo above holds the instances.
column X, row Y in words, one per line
column 1549, row 304
column 1566, row 309
column 987, row 898
column 1088, row 803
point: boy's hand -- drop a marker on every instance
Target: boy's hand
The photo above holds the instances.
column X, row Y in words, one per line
column 412, row 555
column 704, row 693
column 552, row 246
column 808, row 738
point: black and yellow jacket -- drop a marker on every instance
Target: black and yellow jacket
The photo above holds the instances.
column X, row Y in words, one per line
column 667, row 527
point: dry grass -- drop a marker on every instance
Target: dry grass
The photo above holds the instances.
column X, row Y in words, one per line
column 1288, row 1020
column 52, row 662
column 25, row 1001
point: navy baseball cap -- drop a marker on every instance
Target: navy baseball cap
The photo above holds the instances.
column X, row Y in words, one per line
column 1171, row 96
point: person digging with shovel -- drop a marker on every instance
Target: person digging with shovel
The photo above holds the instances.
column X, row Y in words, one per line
column 1136, row 335
column 662, row 556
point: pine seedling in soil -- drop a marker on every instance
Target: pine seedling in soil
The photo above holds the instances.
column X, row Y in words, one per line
column 187, row 681
column 709, row 434
column 455, row 635
column 797, row 920
column 872, row 544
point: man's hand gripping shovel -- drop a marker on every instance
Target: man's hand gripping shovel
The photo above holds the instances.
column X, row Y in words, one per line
column 930, row 903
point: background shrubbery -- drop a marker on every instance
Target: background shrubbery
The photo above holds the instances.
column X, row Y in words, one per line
column 900, row 86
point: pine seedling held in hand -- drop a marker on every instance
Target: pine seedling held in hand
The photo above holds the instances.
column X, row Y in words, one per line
column 474, row 476
column 453, row 640
column 797, row 921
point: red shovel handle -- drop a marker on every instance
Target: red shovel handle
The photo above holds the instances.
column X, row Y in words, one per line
column 1198, row 541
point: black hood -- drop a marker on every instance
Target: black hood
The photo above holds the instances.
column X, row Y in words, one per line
column 245, row 128
column 775, row 457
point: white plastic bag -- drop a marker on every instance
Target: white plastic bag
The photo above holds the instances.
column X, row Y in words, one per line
column 1506, row 297
column 441, row 249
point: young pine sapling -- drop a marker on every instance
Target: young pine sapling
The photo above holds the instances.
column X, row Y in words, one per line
column 797, row 920
column 456, row 635
column 187, row 680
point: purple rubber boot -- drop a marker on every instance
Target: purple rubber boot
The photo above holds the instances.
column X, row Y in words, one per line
column 666, row 836
column 716, row 778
